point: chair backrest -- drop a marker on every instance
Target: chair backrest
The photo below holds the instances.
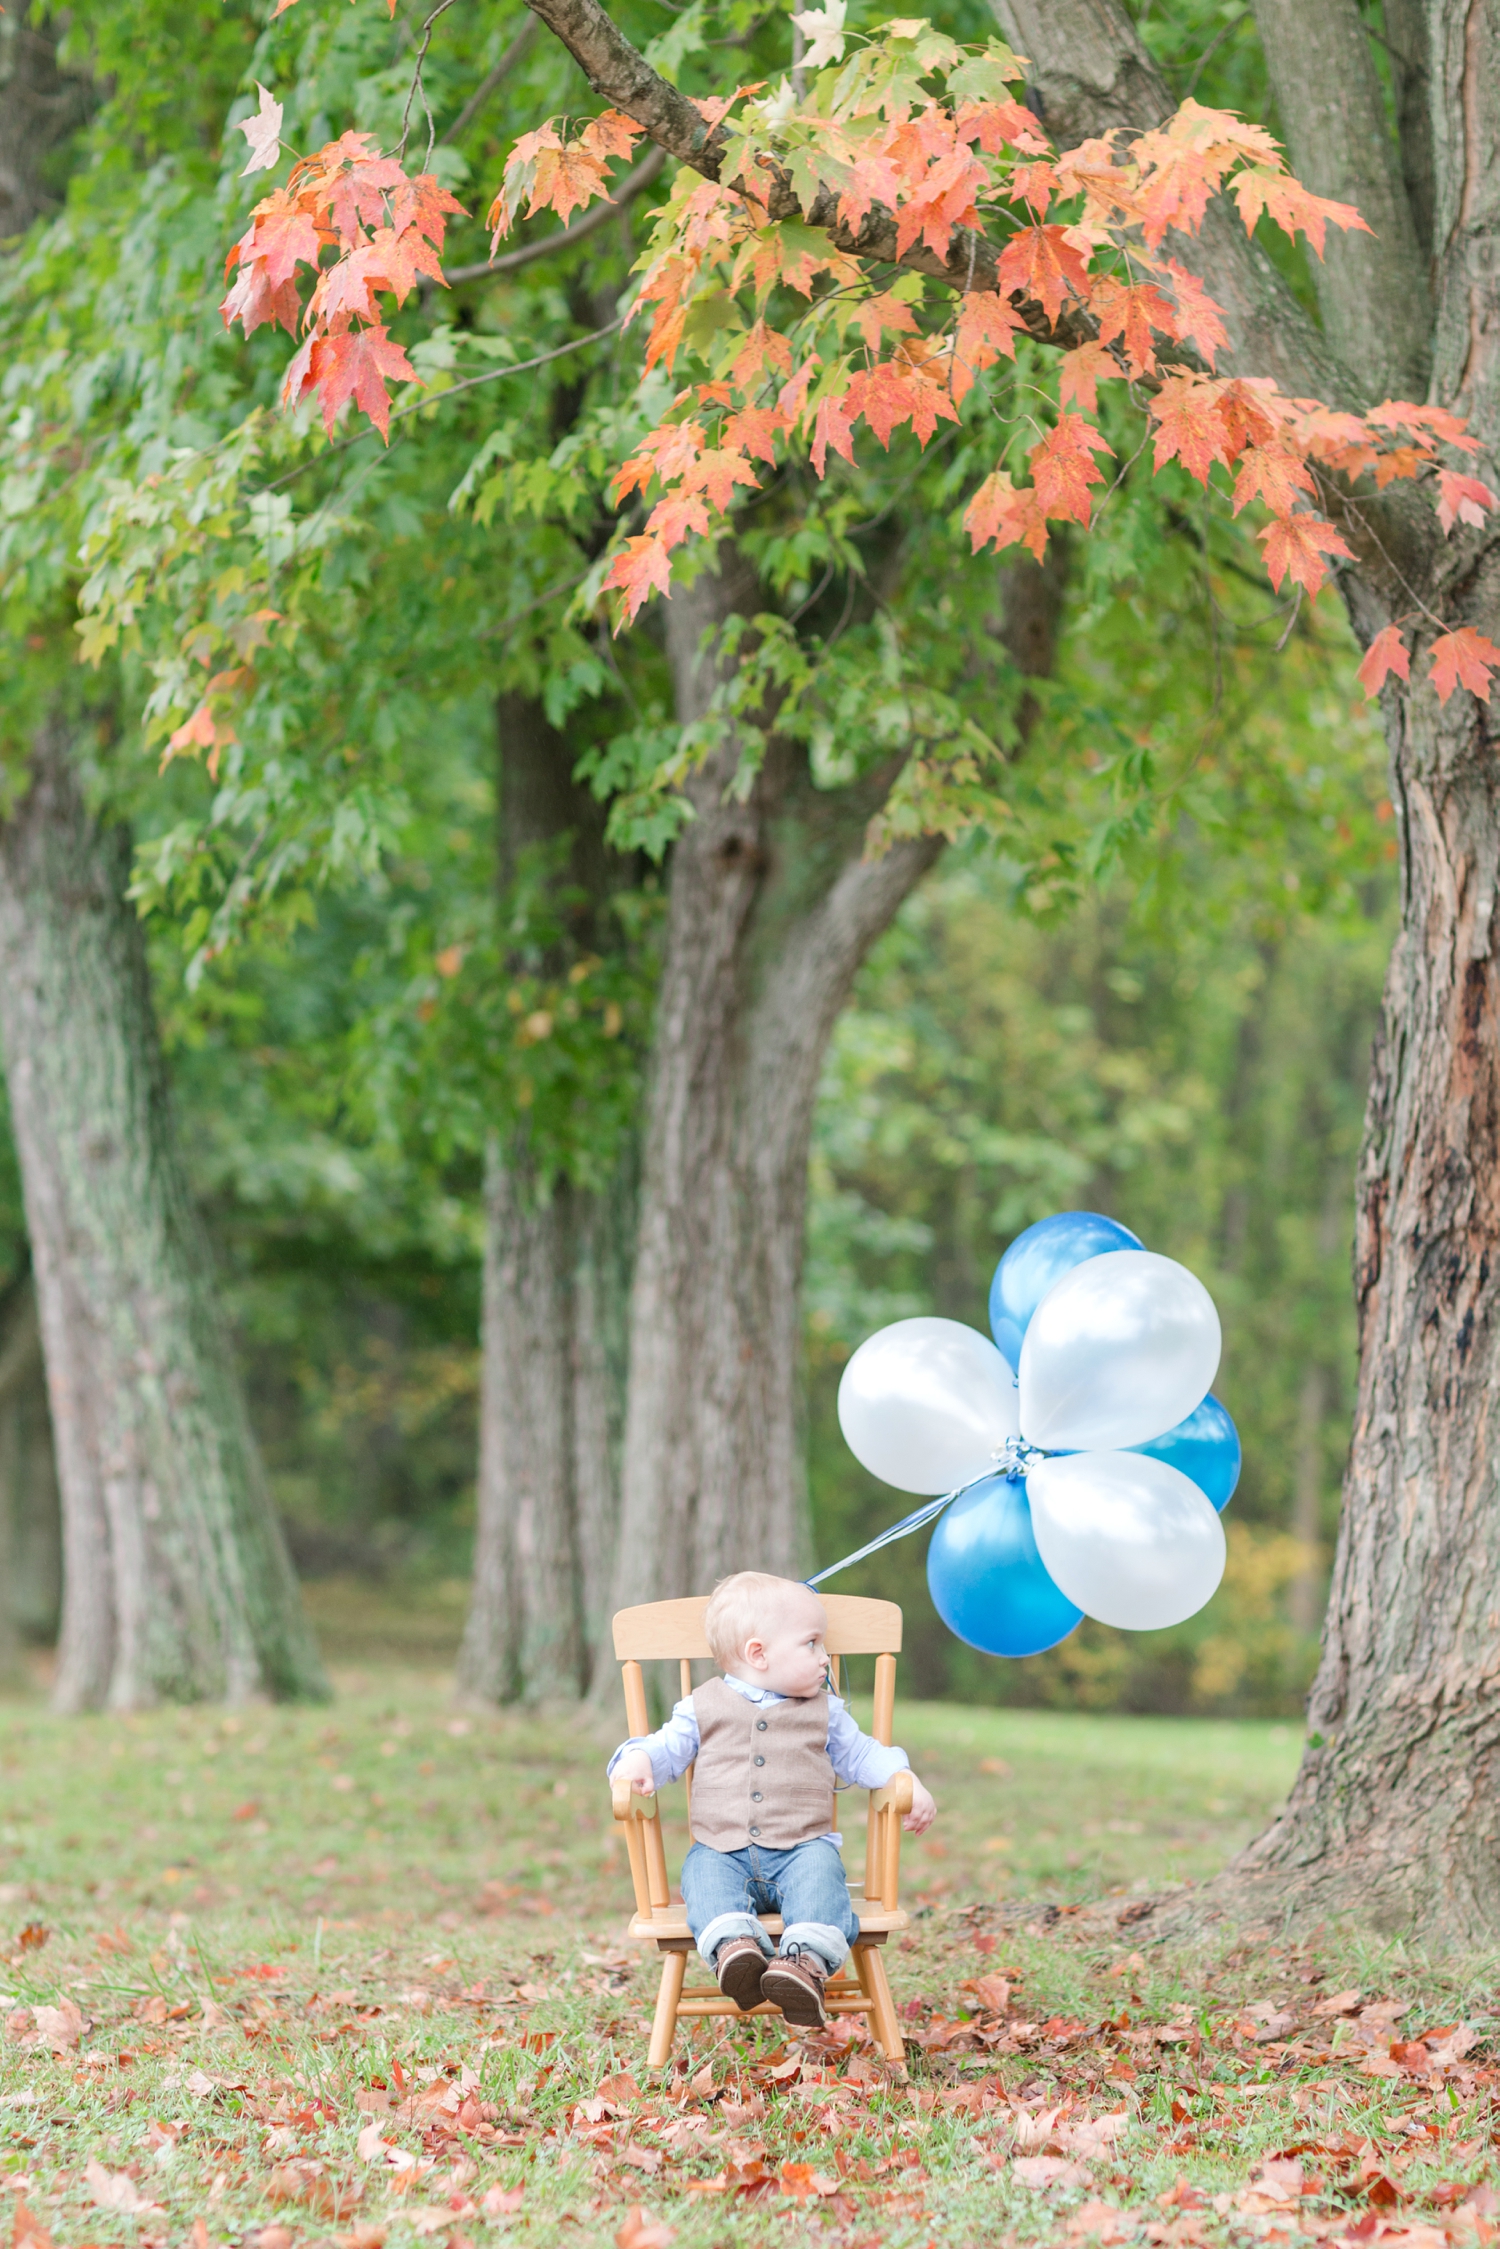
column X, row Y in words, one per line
column 674, row 1629
column 856, row 1627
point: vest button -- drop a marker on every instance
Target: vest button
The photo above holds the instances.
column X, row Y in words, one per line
column 760, row 1760
column 760, row 1725
column 755, row 1795
column 755, row 1831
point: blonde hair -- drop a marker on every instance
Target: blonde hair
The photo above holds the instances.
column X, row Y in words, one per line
column 737, row 1610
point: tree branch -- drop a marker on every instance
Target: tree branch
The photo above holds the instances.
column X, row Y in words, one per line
column 620, row 74
column 513, row 54
column 1372, row 288
column 629, row 188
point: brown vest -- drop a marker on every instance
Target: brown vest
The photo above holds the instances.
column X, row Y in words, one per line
column 763, row 1773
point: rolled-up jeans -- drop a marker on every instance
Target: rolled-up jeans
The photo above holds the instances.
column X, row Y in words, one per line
column 724, row 1891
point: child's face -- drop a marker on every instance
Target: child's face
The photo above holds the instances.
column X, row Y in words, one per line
column 787, row 1654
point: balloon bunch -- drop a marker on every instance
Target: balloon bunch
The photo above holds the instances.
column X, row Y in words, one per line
column 1081, row 1461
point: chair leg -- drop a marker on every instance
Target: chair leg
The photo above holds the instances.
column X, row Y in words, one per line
column 876, row 1988
column 664, row 2022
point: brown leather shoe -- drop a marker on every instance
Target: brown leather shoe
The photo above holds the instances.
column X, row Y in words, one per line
column 795, row 1985
column 739, row 1965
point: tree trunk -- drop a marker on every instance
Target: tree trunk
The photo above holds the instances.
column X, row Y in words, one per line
column 177, row 1582
column 39, row 107
column 30, row 1543
column 555, row 1282
column 772, row 907
column 1395, row 1815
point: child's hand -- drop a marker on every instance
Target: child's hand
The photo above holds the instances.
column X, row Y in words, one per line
column 923, row 1810
column 635, row 1766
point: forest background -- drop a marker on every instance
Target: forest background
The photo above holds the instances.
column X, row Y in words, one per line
column 1158, row 1003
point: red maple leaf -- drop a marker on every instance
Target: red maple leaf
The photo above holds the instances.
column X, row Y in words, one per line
column 1463, row 659
column 1385, row 654
column 717, row 472
column 1038, row 262
column 1010, row 517
column 987, row 328
column 1291, row 206
column 1198, row 315
column 424, row 204
column 1462, row 499
column 1131, row 314
column 833, row 426
column 644, row 564
column 1272, row 473
column 1190, row 427
column 1063, row 468
column 884, row 396
column 1081, row 372
column 755, row 430
column 357, row 365
column 1295, row 546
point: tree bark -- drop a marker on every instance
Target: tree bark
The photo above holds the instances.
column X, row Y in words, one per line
column 555, row 1282
column 30, row 1542
column 1395, row 1815
column 177, row 1581
column 772, row 907
column 39, row 107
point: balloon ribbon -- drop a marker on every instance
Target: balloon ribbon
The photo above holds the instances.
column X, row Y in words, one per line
column 1011, row 1459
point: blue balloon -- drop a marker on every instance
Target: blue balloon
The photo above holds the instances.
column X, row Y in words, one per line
column 987, row 1578
column 1206, row 1447
column 1040, row 1256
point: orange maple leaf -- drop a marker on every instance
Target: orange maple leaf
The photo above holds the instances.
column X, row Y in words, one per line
column 1462, row 499
column 1063, row 468
column 1131, row 314
column 1081, row 372
column 1463, row 659
column 1386, row 653
column 1295, row 546
column 1291, row 206
column 644, row 565
column 882, row 312
column 1198, row 314
column 999, row 512
column 833, row 426
column 755, row 430
column 1399, row 461
column 717, row 472
column 349, row 182
column 1189, row 426
column 1039, row 262
column 987, row 328
column 357, row 365
column 1272, row 473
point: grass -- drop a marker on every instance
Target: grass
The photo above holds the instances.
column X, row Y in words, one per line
column 294, row 1977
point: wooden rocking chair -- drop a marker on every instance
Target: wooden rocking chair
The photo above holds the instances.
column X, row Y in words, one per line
column 675, row 1628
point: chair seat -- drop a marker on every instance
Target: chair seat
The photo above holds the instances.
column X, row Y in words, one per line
column 668, row 1923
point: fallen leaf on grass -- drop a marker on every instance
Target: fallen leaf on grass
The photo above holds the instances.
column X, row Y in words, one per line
column 29, row 2232
column 803, row 2183
column 116, row 2190
column 59, row 2028
column 372, row 2145
column 1339, row 2003
column 499, row 2202
column 642, row 2231
column 1039, row 2171
column 1100, row 2221
column 617, row 2088
column 649, row 2159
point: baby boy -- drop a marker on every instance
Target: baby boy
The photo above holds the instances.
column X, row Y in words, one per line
column 769, row 1740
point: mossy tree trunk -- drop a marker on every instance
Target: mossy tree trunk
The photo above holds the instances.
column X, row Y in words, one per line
column 177, row 1583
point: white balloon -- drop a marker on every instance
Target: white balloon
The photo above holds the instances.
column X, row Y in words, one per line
column 1128, row 1538
column 1118, row 1351
column 924, row 1404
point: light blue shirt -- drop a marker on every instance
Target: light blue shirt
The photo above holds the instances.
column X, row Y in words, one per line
column 858, row 1760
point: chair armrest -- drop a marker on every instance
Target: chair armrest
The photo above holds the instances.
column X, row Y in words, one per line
column 895, row 1796
column 629, row 1804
